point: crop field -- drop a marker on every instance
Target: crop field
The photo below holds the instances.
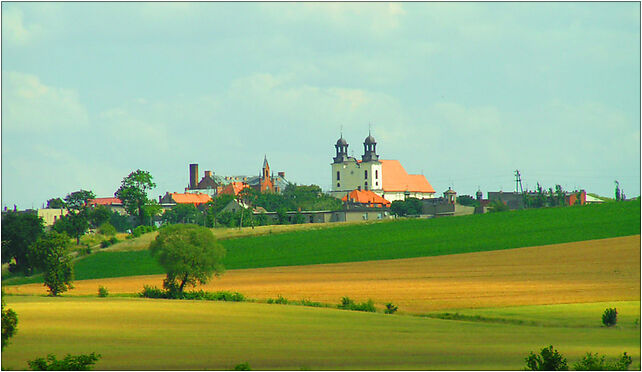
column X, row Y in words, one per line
column 391, row 240
column 590, row 271
column 137, row 334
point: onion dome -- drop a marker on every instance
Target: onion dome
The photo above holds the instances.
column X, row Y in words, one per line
column 342, row 142
column 370, row 140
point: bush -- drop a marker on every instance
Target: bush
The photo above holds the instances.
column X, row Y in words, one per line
column 102, row 291
column 391, row 308
column 142, row 229
column 105, row 244
column 84, row 250
column 592, row 362
column 107, row 229
column 307, row 302
column 609, row 318
column 9, row 324
column 242, row 367
column 113, row 240
column 279, row 300
column 153, row 292
column 348, row 304
column 70, row 363
column 548, row 360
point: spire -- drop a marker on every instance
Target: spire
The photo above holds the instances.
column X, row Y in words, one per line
column 265, row 162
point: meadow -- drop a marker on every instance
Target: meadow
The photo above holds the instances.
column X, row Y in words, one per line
column 405, row 238
column 135, row 334
column 589, row 271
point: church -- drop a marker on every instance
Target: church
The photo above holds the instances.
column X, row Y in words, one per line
column 386, row 178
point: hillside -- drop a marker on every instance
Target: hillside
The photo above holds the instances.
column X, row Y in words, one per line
column 397, row 239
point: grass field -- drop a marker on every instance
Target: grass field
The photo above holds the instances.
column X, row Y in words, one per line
column 397, row 239
column 136, row 334
column 589, row 271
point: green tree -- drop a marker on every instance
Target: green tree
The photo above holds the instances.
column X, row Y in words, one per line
column 593, row 362
column 618, row 195
column 19, row 231
column 69, row 363
column 133, row 193
column 77, row 204
column 55, row 203
column 467, row 200
column 120, row 222
column 9, row 324
column 548, row 359
column 189, row 254
column 151, row 210
column 50, row 253
column 399, row 208
column 282, row 216
column 107, row 229
column 98, row 215
column 182, row 213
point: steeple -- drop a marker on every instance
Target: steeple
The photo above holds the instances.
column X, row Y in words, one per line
column 266, row 167
column 342, row 150
column 369, row 149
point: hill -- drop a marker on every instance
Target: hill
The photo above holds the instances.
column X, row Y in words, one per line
column 144, row 334
column 397, row 239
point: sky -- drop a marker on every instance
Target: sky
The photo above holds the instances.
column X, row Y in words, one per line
column 464, row 93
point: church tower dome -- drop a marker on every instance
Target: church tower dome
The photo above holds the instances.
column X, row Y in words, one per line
column 369, row 149
column 342, row 150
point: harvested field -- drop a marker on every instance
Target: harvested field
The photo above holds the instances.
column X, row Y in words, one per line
column 588, row 271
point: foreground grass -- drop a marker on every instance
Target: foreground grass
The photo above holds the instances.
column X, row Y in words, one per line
column 392, row 240
column 142, row 334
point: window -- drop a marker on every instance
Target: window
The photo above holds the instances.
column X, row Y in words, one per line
column 365, row 186
column 366, row 174
column 338, row 184
column 338, row 175
column 359, row 188
column 376, row 183
column 376, row 173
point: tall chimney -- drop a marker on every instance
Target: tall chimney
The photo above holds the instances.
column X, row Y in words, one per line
column 193, row 176
column 282, row 174
column 208, row 174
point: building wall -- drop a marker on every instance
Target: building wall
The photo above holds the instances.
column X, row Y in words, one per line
column 353, row 177
column 51, row 215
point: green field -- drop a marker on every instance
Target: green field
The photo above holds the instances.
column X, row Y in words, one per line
column 397, row 239
column 139, row 334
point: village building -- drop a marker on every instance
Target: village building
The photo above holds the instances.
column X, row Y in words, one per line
column 386, row 178
column 365, row 198
column 113, row 204
column 171, row 199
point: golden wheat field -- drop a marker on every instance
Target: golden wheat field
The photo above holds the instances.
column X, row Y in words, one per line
column 589, row 271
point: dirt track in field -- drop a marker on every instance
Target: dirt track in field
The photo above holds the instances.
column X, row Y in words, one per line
column 589, row 271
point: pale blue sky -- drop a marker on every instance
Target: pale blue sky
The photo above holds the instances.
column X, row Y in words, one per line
column 464, row 92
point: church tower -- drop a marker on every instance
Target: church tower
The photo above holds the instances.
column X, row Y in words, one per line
column 349, row 174
column 266, row 183
column 369, row 149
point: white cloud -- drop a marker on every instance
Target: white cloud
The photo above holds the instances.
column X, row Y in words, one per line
column 14, row 29
column 30, row 106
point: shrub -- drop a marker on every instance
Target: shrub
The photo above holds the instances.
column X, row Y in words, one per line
column 84, row 250
column 153, row 292
column 549, row 359
column 307, row 302
column 391, row 308
column 348, row 304
column 105, row 244
column 113, row 240
column 9, row 324
column 70, row 363
column 592, row 362
column 242, row 367
column 102, row 291
column 142, row 229
column 279, row 300
column 107, row 229
column 609, row 318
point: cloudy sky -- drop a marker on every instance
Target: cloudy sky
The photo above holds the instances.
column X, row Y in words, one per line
column 465, row 93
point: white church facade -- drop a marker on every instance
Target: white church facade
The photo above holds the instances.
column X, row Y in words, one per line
column 386, row 178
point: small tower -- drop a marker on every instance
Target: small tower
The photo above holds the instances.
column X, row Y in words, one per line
column 266, row 182
column 342, row 150
column 369, row 149
column 479, row 194
column 450, row 195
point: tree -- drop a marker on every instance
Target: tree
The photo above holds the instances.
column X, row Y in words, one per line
column 77, row 218
column 617, row 191
column 593, row 362
column 549, row 359
column 133, row 193
column 189, row 254
column 182, row 213
column 55, row 203
column 609, row 317
column 81, row 362
column 50, row 253
column 98, row 215
column 467, row 200
column 9, row 324
column 19, row 231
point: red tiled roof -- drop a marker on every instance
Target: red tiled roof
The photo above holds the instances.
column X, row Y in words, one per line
column 105, row 201
column 395, row 178
column 234, row 188
column 188, row 198
column 366, row 197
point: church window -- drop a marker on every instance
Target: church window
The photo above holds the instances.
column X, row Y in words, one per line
column 338, row 175
column 366, row 174
column 376, row 173
column 338, row 184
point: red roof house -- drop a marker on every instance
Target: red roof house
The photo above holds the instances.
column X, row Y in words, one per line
column 366, row 198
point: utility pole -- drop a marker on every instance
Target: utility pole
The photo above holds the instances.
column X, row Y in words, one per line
column 518, row 182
